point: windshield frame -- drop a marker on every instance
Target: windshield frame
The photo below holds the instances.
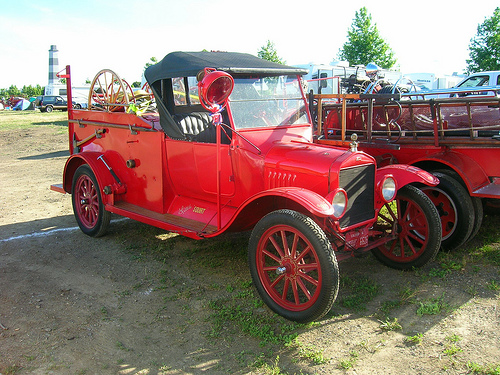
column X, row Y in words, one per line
column 260, row 102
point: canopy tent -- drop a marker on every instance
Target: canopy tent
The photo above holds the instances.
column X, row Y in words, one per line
column 21, row 105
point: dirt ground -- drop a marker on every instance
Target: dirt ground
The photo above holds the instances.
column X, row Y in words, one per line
column 71, row 304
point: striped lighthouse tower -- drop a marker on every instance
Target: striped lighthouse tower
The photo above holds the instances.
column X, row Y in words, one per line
column 53, row 64
column 53, row 69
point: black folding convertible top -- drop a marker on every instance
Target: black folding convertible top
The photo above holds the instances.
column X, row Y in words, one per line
column 188, row 64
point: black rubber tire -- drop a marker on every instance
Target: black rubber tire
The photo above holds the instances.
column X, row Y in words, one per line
column 88, row 207
column 458, row 215
column 478, row 216
column 477, row 203
column 418, row 248
column 49, row 109
column 310, row 258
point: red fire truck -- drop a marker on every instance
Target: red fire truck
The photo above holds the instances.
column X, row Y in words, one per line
column 224, row 142
column 454, row 134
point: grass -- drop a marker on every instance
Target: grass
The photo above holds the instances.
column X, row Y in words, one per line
column 348, row 363
column 433, row 306
column 390, row 325
column 313, row 354
column 10, row 120
column 262, row 325
column 415, row 339
column 361, row 290
column 476, row 368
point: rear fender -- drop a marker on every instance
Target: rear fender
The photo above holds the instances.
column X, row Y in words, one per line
column 104, row 178
column 469, row 170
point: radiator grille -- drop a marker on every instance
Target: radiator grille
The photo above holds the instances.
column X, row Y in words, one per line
column 359, row 183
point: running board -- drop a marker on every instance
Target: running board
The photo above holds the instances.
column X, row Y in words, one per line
column 491, row 190
column 58, row 187
column 172, row 223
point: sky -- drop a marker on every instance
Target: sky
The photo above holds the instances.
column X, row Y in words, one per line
column 90, row 35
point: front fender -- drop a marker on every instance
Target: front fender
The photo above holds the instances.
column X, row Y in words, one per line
column 311, row 201
column 259, row 205
column 406, row 174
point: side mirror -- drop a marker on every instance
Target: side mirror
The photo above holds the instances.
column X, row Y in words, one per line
column 214, row 88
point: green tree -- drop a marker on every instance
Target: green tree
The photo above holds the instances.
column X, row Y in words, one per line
column 29, row 91
column 268, row 52
column 153, row 60
column 484, row 48
column 364, row 43
column 13, row 91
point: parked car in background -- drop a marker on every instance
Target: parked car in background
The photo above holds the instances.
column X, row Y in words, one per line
column 480, row 79
column 47, row 103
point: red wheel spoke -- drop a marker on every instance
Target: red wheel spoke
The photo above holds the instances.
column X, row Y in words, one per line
column 286, row 249
column 270, row 268
column 278, row 279
column 277, row 246
column 303, row 254
column 410, row 245
column 385, row 218
column 295, row 292
column 293, row 253
column 307, row 267
column 304, row 289
column 391, row 212
column 417, row 238
column 272, row 256
column 285, row 289
column 308, row 278
column 401, row 247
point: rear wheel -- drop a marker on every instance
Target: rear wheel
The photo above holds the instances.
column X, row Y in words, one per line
column 477, row 202
column 455, row 209
column 293, row 266
column 49, row 109
column 88, row 208
column 414, row 221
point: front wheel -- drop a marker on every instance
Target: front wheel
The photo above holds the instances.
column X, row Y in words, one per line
column 293, row 266
column 414, row 222
column 88, row 208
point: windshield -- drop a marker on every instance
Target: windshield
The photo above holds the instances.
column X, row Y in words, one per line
column 475, row 81
column 267, row 102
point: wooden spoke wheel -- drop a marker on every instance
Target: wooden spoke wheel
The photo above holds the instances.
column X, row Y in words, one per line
column 413, row 221
column 456, row 210
column 108, row 92
column 88, row 207
column 293, row 266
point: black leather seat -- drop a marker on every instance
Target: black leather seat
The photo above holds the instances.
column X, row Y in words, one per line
column 198, row 127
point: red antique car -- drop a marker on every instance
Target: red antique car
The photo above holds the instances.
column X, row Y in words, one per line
column 453, row 133
column 237, row 154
